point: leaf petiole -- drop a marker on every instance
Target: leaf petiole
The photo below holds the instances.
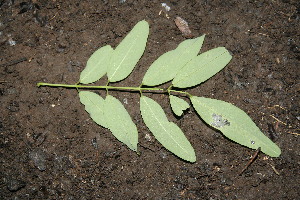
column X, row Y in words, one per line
column 181, row 92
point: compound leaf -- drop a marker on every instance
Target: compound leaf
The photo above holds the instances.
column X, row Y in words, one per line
column 202, row 68
column 120, row 123
column 128, row 52
column 167, row 133
column 96, row 65
column 166, row 66
column 94, row 105
column 178, row 105
column 234, row 124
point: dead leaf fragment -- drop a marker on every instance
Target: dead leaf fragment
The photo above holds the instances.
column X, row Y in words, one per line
column 183, row 26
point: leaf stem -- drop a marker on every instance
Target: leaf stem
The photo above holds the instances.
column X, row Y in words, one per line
column 106, row 87
column 98, row 87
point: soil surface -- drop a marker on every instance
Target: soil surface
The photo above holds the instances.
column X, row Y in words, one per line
column 51, row 149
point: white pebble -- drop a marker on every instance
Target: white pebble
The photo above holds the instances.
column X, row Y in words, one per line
column 167, row 8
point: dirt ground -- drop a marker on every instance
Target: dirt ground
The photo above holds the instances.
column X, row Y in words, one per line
column 51, row 149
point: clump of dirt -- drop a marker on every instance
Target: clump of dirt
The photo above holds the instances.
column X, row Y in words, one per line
column 51, row 149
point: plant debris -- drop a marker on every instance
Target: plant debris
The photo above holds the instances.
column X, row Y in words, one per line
column 183, row 26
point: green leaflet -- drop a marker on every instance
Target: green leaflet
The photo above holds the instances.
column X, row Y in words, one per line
column 110, row 113
column 234, row 124
column 97, row 65
column 178, row 105
column 94, row 105
column 202, row 68
column 128, row 52
column 119, row 122
column 167, row 133
column 166, row 66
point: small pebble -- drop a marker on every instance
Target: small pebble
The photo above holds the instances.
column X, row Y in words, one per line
column 39, row 159
column 148, row 137
column 11, row 42
column 163, row 154
column 94, row 143
column 166, row 7
column 13, row 106
column 14, row 185
column 63, row 163
column 39, row 138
